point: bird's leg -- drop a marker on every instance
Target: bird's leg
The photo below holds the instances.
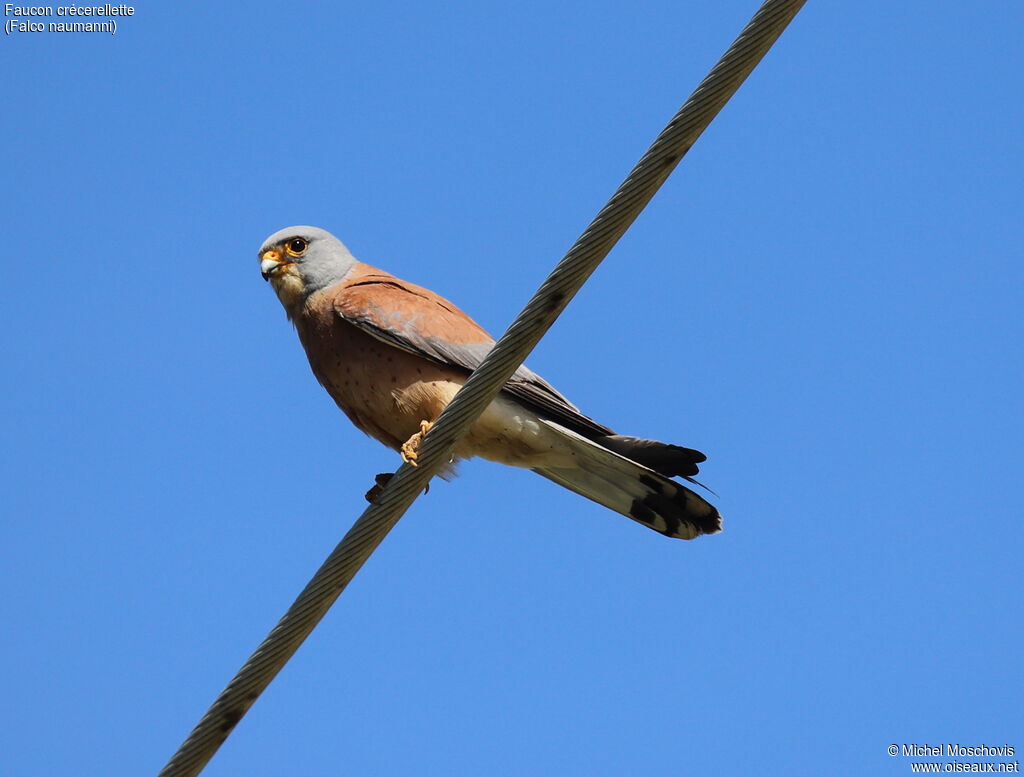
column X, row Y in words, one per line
column 382, row 480
column 410, row 452
column 410, row 448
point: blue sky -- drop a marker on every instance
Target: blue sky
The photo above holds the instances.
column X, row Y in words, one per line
column 825, row 298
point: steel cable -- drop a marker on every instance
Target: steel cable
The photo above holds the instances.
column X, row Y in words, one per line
column 483, row 385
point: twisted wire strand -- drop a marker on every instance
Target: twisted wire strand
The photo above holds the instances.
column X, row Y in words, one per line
column 483, row 385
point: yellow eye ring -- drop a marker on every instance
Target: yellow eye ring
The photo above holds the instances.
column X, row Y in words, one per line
column 296, row 246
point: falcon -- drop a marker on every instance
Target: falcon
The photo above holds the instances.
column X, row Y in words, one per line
column 392, row 354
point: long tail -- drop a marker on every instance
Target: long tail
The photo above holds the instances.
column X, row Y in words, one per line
column 630, row 488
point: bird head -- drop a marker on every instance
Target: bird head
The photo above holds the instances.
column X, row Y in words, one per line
column 299, row 261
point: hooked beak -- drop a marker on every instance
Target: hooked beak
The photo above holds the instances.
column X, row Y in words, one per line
column 270, row 263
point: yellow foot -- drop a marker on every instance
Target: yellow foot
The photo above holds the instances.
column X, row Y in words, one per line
column 410, row 448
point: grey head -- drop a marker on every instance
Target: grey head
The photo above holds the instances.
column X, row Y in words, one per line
column 299, row 261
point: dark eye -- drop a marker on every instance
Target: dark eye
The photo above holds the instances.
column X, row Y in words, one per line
column 297, row 246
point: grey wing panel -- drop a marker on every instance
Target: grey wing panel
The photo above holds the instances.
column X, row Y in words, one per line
column 526, row 386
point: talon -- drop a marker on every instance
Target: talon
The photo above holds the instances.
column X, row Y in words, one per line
column 410, row 448
column 380, row 481
column 409, row 454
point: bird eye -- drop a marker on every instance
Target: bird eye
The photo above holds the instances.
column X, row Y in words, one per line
column 297, row 246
